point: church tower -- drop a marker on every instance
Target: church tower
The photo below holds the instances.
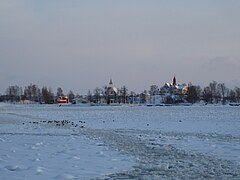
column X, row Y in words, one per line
column 174, row 83
column 112, row 93
column 110, row 83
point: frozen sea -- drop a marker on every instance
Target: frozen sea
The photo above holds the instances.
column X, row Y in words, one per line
column 119, row 142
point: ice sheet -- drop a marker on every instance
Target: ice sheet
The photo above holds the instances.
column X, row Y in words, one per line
column 109, row 141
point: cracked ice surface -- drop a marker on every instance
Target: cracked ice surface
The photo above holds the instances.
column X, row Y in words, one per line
column 196, row 142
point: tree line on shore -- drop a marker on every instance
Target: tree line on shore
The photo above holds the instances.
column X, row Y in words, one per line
column 214, row 93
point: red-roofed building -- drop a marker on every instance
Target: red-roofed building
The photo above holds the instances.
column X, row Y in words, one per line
column 62, row 99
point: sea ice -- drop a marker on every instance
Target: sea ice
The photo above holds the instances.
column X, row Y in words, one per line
column 47, row 141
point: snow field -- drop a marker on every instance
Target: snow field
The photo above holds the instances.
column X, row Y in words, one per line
column 44, row 156
column 163, row 161
column 196, row 142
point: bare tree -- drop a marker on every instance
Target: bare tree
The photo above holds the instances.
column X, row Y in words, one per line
column 96, row 94
column 207, row 95
column 214, row 91
column 237, row 93
column 222, row 89
column 71, row 96
column 32, row 93
column 231, row 96
column 28, row 92
column 199, row 91
column 47, row 95
column 143, row 96
column 123, row 94
column 59, row 92
column 89, row 96
column 104, row 92
column 192, row 96
column 153, row 90
column 14, row 93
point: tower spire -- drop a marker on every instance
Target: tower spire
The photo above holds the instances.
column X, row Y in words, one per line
column 110, row 83
column 174, row 81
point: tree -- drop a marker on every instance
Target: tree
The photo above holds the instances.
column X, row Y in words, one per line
column 97, row 94
column 14, row 93
column 237, row 93
column 207, row 95
column 231, row 96
column 47, row 95
column 123, row 94
column 222, row 91
column 89, row 96
column 28, row 92
column 104, row 92
column 199, row 91
column 35, row 93
column 214, row 92
column 71, row 96
column 59, row 92
column 144, row 96
column 192, row 96
column 153, row 90
column 32, row 93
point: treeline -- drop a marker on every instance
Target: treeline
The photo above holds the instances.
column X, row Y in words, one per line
column 32, row 93
column 105, row 94
column 214, row 93
column 123, row 95
column 218, row 92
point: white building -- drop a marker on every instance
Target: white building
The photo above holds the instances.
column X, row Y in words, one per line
column 170, row 93
column 112, row 93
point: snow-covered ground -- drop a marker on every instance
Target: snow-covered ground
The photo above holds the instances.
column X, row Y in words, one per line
column 71, row 142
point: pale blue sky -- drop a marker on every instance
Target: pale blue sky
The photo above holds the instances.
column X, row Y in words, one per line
column 79, row 45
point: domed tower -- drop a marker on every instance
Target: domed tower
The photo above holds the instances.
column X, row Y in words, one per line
column 174, row 81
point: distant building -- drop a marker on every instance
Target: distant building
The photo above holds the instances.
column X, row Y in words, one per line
column 62, row 99
column 170, row 93
column 173, row 92
column 168, row 89
column 111, row 93
column 80, row 100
